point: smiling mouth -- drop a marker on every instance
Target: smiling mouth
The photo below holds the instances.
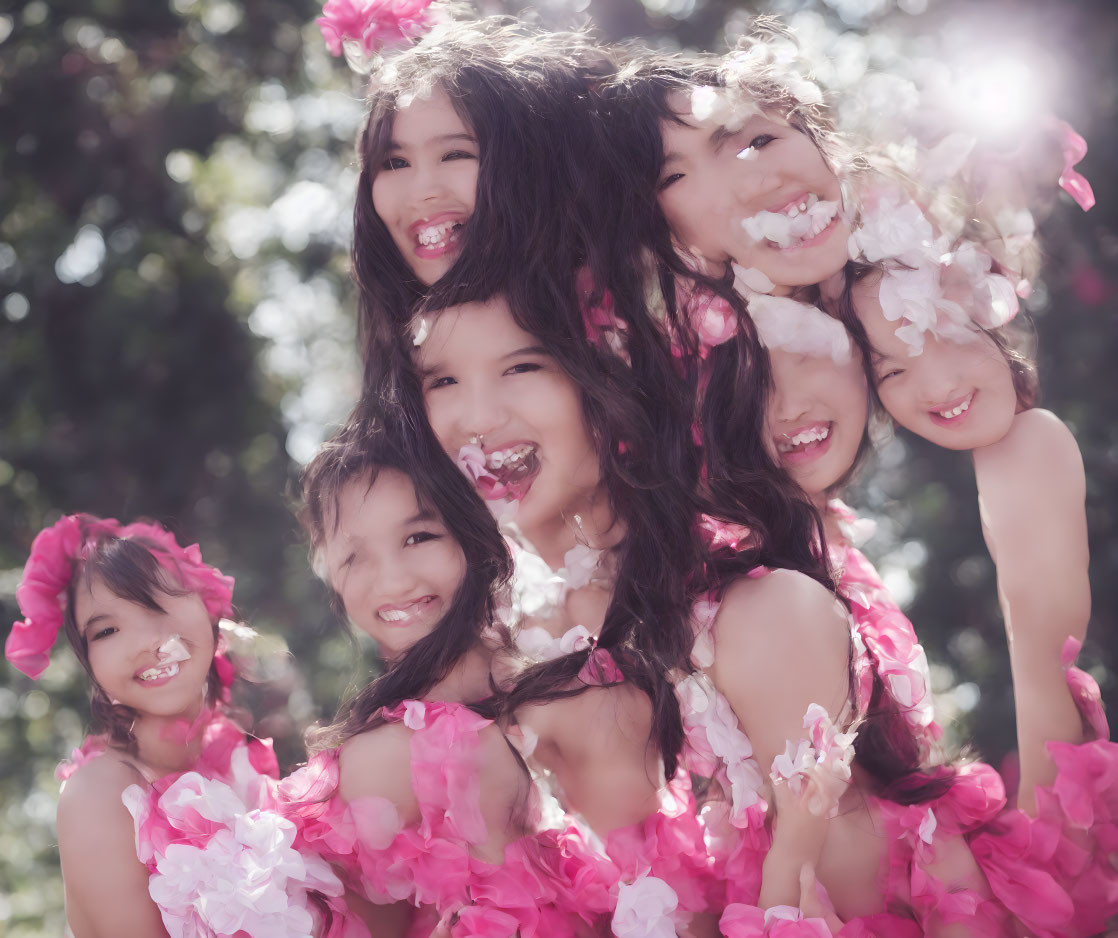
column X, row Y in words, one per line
column 155, row 674
column 436, row 239
column 794, row 226
column 804, row 444
column 406, row 612
column 510, row 471
column 955, row 412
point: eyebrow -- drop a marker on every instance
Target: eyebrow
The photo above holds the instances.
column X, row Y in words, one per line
column 424, row 514
column 91, row 620
column 441, row 138
column 527, row 350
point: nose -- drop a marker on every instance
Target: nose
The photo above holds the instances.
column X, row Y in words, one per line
column 392, row 580
column 482, row 413
column 938, row 375
column 786, row 405
column 427, row 183
column 749, row 183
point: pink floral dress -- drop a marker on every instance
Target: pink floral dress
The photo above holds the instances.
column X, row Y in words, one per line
column 222, row 859
column 550, row 883
column 1051, row 876
column 883, row 635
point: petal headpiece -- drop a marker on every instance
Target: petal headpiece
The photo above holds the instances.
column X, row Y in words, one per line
column 56, row 554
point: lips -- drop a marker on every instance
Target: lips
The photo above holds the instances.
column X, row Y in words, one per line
column 158, row 675
column 437, row 235
column 400, row 615
column 505, row 472
column 953, row 412
column 805, row 443
column 800, row 222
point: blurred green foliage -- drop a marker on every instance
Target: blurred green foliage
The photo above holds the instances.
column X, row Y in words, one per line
column 176, row 334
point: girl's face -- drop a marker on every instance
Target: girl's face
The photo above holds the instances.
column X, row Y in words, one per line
column 392, row 562
column 958, row 395
column 425, row 190
column 123, row 639
column 486, row 379
column 816, row 417
column 714, row 180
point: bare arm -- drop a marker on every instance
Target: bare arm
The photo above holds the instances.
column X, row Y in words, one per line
column 1031, row 488
column 1031, row 491
column 106, row 885
column 377, row 764
column 782, row 644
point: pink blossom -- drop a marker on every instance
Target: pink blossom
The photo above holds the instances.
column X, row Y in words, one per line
column 722, row 533
column 1071, row 181
column 600, row 669
column 644, row 909
column 373, row 24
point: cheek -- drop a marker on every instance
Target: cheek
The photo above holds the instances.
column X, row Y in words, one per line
column 439, row 417
column 896, row 402
column 385, row 193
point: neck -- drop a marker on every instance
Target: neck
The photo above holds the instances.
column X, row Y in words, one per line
column 592, row 524
column 468, row 680
column 831, row 527
column 162, row 743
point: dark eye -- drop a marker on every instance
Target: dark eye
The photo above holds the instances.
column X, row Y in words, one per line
column 458, row 155
column 890, row 374
column 421, row 537
column 104, row 633
column 441, row 383
column 761, row 141
column 524, row 368
column 669, row 181
column 395, row 162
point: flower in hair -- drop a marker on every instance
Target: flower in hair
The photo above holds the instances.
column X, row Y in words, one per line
column 710, row 316
column 45, row 576
column 57, row 550
column 893, row 228
column 800, row 328
column 718, row 534
column 371, row 25
column 604, row 328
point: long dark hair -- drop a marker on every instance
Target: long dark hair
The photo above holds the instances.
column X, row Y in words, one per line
column 522, row 92
column 367, row 444
column 544, row 216
column 649, row 477
column 130, row 568
column 742, row 483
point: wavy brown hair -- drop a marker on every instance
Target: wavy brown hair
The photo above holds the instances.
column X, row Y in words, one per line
column 365, row 446
column 136, row 569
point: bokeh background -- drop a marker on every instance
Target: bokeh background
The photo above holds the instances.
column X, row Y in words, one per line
column 177, row 324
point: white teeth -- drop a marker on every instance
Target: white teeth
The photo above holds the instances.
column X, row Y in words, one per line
column 799, row 222
column 394, row 615
column 511, row 456
column 955, row 411
column 814, row 435
column 168, row 670
column 434, row 235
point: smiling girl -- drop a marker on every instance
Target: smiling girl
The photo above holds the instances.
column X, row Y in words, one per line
column 419, row 797
column 141, row 614
column 554, row 426
column 474, row 142
column 969, row 391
